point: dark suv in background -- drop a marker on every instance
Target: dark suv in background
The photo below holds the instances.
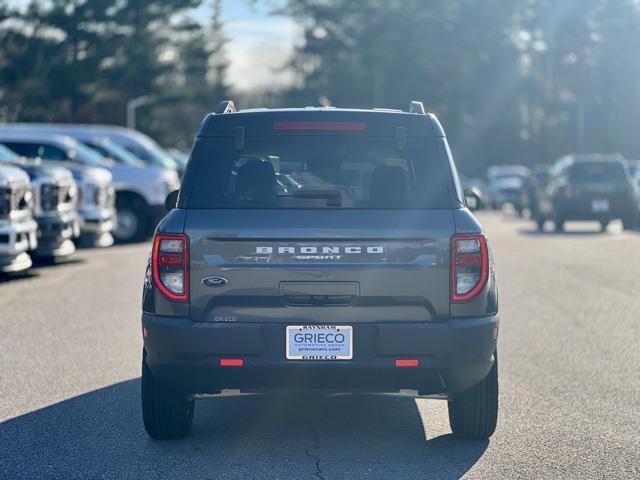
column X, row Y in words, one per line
column 325, row 249
column 589, row 187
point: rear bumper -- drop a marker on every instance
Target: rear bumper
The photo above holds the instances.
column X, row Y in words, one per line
column 582, row 209
column 453, row 356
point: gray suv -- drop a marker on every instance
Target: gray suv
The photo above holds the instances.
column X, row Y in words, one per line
column 363, row 271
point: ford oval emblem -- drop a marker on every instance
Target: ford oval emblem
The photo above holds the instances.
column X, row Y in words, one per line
column 214, row 281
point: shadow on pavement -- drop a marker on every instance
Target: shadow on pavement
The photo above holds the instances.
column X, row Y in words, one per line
column 56, row 262
column 14, row 277
column 534, row 232
column 100, row 435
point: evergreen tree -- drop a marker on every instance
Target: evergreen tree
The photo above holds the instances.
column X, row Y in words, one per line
column 199, row 80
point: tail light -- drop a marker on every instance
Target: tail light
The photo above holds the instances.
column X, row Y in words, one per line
column 170, row 264
column 469, row 266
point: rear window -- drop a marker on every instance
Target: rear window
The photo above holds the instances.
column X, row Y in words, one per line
column 319, row 171
column 598, row 172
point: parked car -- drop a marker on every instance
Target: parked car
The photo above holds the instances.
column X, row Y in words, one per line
column 139, row 144
column 180, row 157
column 509, row 184
column 54, row 206
column 112, row 152
column 140, row 188
column 95, row 202
column 634, row 171
column 18, row 229
column 542, row 175
column 589, row 187
column 537, row 186
column 384, row 287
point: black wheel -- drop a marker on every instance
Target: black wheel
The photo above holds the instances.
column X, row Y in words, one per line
column 629, row 222
column 166, row 412
column 473, row 415
column 559, row 226
column 132, row 222
column 603, row 225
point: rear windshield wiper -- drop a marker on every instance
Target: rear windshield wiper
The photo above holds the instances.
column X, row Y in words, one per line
column 333, row 197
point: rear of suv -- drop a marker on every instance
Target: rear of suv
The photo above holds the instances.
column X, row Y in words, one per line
column 589, row 187
column 322, row 249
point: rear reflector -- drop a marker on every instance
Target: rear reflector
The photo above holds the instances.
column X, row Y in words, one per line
column 407, row 362
column 321, row 126
column 231, row 362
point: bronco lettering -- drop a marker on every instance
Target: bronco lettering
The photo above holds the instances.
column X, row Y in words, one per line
column 351, row 249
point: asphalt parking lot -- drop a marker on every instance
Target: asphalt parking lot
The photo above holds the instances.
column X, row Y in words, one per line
column 70, row 347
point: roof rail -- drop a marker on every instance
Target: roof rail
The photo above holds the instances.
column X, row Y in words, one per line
column 226, row 106
column 417, row 107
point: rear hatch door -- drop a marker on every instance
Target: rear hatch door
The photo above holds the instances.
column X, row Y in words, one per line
column 346, row 266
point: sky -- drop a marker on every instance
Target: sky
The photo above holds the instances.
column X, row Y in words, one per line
column 259, row 46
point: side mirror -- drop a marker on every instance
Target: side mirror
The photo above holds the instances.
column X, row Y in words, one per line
column 473, row 200
column 171, row 201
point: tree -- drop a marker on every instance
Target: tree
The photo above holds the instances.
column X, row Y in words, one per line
column 199, row 80
column 514, row 81
column 455, row 55
column 82, row 60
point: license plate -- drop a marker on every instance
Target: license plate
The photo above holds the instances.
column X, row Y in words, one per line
column 319, row 342
column 600, row 206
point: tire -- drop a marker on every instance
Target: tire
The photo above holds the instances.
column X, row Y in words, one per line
column 166, row 412
column 473, row 415
column 132, row 224
column 559, row 226
column 629, row 222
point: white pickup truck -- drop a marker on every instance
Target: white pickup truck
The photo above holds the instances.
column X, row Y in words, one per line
column 17, row 226
column 140, row 191
column 54, row 206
